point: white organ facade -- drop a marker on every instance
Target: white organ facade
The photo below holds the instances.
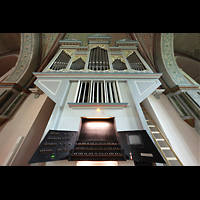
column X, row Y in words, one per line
column 99, row 81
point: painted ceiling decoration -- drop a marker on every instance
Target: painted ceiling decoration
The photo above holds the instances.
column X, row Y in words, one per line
column 147, row 40
column 185, row 44
column 48, row 40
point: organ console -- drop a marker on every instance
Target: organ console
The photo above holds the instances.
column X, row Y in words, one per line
column 131, row 145
column 139, row 145
column 55, row 146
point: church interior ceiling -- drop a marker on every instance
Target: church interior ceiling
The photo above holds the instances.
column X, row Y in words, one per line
column 186, row 45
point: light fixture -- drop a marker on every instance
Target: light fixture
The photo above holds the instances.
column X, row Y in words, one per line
column 97, row 163
column 98, row 110
column 98, row 117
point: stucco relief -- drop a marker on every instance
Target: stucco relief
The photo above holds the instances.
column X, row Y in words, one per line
column 24, row 58
column 28, row 60
column 169, row 59
column 48, row 39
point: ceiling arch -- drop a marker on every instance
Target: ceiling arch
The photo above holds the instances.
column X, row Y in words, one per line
column 189, row 66
column 184, row 43
column 9, row 51
column 27, row 61
column 188, row 45
column 9, row 42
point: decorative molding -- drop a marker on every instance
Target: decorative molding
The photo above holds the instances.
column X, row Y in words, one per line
column 28, row 61
column 103, row 46
column 97, row 105
column 114, row 57
column 92, row 75
column 24, row 57
column 99, row 38
column 167, row 53
column 127, row 42
column 70, row 42
column 36, row 91
column 144, row 86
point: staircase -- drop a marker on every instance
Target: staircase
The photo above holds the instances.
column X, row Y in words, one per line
column 97, row 151
column 165, row 148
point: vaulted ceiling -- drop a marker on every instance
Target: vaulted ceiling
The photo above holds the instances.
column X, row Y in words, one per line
column 186, row 48
column 187, row 52
column 9, row 51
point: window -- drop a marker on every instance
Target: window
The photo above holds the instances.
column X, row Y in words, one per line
column 98, row 92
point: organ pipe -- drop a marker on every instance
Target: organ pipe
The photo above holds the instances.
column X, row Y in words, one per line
column 98, row 59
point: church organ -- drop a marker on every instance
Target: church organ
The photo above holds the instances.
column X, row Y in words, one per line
column 96, row 82
column 98, row 60
column 98, row 92
column 98, row 57
column 61, row 62
column 135, row 62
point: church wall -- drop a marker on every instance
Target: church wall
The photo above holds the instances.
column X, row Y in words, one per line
column 22, row 123
column 34, row 135
column 184, row 140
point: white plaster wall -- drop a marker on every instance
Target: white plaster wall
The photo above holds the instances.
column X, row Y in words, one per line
column 184, row 139
column 126, row 118
column 19, row 124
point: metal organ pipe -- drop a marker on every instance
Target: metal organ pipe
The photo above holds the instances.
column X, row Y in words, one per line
column 103, row 60
column 93, row 60
column 100, row 60
column 106, row 61
column 90, row 60
column 61, row 62
column 97, row 58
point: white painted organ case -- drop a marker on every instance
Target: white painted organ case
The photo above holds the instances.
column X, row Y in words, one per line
column 97, row 81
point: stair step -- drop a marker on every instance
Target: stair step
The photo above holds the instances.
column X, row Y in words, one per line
column 155, row 132
column 171, row 158
column 165, row 148
column 160, row 139
column 151, row 125
column 175, row 163
column 169, row 155
column 162, row 144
